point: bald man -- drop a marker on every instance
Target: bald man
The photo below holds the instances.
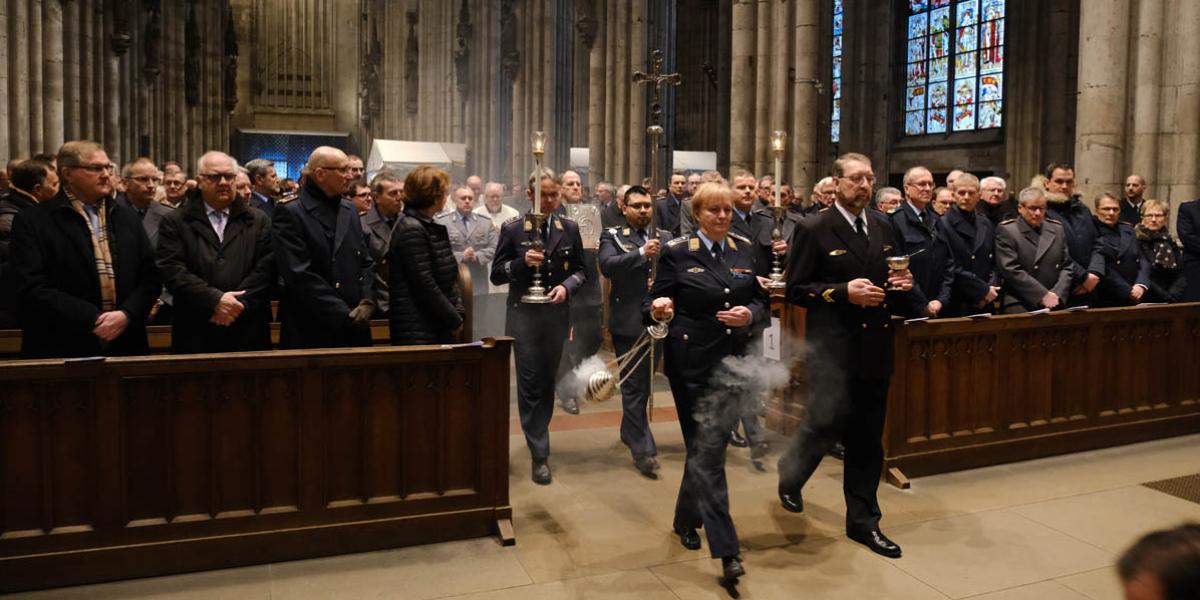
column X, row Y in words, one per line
column 321, row 253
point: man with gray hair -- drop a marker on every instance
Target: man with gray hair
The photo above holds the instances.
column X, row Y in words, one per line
column 822, row 197
column 387, row 195
column 994, row 201
column 887, row 200
column 1032, row 257
column 264, row 184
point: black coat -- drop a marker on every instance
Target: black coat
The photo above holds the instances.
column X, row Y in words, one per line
column 1007, row 209
column 628, row 272
column 666, row 214
column 198, row 268
column 12, row 202
column 825, row 255
column 1080, row 228
column 322, row 257
column 1129, row 213
column 1187, row 225
column 971, row 245
column 930, row 266
column 423, row 281
column 55, row 282
column 1165, row 253
column 266, row 205
column 1124, row 265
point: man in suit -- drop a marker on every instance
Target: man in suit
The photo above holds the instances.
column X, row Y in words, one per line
column 264, row 184
column 1135, row 195
column 916, row 236
column 838, row 270
column 322, row 256
column 611, row 214
column 387, row 195
column 33, row 181
column 995, row 203
column 142, row 178
column 667, row 210
column 969, row 239
column 1187, row 225
column 82, row 267
column 1064, row 207
column 627, row 255
column 586, row 305
column 1032, row 257
column 214, row 254
column 472, row 239
column 539, row 330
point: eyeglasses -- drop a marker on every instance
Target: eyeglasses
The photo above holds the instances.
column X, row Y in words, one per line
column 219, row 177
column 342, row 170
column 173, row 183
column 96, row 169
column 146, row 179
column 1154, row 216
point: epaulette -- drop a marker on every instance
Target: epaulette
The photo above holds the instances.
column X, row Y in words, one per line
column 1007, row 221
column 513, row 220
column 739, row 237
column 566, row 218
column 612, row 230
column 1055, row 221
column 283, row 200
column 677, row 241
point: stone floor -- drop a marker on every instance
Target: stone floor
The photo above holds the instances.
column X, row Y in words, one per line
column 1049, row 529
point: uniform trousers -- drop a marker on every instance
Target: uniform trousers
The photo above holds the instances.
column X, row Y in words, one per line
column 539, row 332
column 851, row 410
column 635, row 393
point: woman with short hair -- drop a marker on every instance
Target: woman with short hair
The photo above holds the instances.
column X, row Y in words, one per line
column 1163, row 251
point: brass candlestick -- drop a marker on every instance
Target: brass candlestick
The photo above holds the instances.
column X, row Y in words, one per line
column 536, row 294
column 777, row 282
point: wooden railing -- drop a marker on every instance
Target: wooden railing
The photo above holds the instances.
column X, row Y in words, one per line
column 130, row 467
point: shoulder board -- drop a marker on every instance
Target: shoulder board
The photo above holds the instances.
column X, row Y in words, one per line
column 1055, row 221
column 1007, row 221
column 677, row 241
column 565, row 218
column 612, row 230
column 283, row 200
column 739, row 237
column 512, row 220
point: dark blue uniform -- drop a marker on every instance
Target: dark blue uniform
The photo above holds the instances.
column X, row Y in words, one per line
column 539, row 330
column 667, row 214
column 849, row 355
column 1187, row 223
column 628, row 271
column 913, row 234
column 1124, row 265
column 701, row 285
column 970, row 240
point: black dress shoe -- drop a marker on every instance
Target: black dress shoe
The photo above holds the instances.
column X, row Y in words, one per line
column 541, row 472
column 689, row 538
column 791, row 502
column 736, row 440
column 759, row 450
column 876, row 542
column 646, row 466
column 570, row 406
column 732, row 565
column 838, row 451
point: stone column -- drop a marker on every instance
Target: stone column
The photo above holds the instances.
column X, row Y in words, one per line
column 741, row 97
column 34, row 117
column 4, row 67
column 1179, row 150
column 801, row 169
column 599, row 85
column 638, row 143
column 18, row 82
column 1100, row 128
column 70, row 31
column 52, row 74
column 1146, row 62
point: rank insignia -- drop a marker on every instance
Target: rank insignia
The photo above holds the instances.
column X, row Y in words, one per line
column 696, row 270
column 694, row 244
column 528, row 225
column 741, row 271
column 887, row 248
column 566, row 265
column 828, row 295
column 837, row 252
column 625, row 231
column 732, row 244
column 558, row 224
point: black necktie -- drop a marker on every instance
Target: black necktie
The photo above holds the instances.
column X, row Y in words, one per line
column 859, row 228
column 718, row 253
column 641, row 236
column 546, row 232
column 142, row 213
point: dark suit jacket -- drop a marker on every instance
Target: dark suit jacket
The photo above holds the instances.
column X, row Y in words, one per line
column 1129, row 213
column 1124, row 265
column 154, row 215
column 825, row 255
column 198, row 268
column 12, row 202
column 971, row 250
column 379, row 239
column 930, row 266
column 57, row 290
column 322, row 256
column 1031, row 263
column 628, row 272
column 1187, row 225
column 1079, row 225
column 266, row 205
column 666, row 214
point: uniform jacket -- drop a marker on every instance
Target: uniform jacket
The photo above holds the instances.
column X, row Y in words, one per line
column 971, row 248
column 611, row 215
column 563, row 264
column 825, row 255
column 628, row 271
column 426, row 302
column 758, row 231
column 930, row 266
column 198, row 268
column 1129, row 213
column 54, row 278
column 150, row 221
column 379, row 238
column 1080, row 228
column 477, row 233
column 261, row 202
column 667, row 213
column 700, row 287
column 1187, row 225
column 1032, row 263
column 1124, row 265
column 322, row 257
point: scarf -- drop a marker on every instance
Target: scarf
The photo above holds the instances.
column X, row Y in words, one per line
column 1163, row 250
column 104, row 261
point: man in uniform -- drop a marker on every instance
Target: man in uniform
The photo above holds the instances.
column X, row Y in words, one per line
column 387, row 201
column 969, row 238
column 473, row 241
column 838, row 270
column 626, row 256
column 586, row 312
column 667, row 211
column 328, row 275
column 539, row 330
column 1032, row 257
column 1079, row 224
column 916, row 236
column 1135, row 195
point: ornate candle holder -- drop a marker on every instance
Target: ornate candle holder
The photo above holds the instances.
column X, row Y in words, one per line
column 536, row 294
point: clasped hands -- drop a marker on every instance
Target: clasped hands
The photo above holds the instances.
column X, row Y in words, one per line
column 663, row 309
column 862, row 292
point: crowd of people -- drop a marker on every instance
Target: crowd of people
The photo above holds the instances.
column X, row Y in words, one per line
column 89, row 257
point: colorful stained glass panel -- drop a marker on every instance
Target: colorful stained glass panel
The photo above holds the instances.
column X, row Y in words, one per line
column 964, row 117
column 916, row 50
column 937, row 121
column 837, row 45
column 916, row 98
column 938, row 95
column 939, row 20
column 917, row 6
column 993, row 9
column 968, row 39
column 991, row 34
column 991, row 60
column 964, row 91
column 990, row 114
column 964, row 64
column 939, row 69
column 837, row 68
column 918, row 25
column 991, row 87
column 939, row 44
column 917, row 73
column 968, row 12
column 914, row 123
column 838, row 21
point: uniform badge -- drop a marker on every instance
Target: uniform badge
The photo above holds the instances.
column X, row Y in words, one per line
column 740, row 273
column 694, row 244
column 837, row 252
column 696, row 270
column 828, row 295
column 732, row 244
column 566, row 265
column 887, row 248
column 625, row 231
column 558, row 224
column 528, row 225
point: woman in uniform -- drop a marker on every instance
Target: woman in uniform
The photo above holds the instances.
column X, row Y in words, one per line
column 706, row 283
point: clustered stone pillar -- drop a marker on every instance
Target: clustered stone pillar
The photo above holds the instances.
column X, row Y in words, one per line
column 1103, row 72
column 775, row 65
column 617, row 142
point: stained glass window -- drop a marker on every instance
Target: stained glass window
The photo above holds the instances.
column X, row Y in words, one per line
column 955, row 66
column 835, row 120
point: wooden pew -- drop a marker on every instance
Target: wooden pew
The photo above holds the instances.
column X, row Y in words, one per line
column 133, row 467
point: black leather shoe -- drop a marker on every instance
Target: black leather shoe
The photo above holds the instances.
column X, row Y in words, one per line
column 736, row 440
column 689, row 538
column 570, row 406
column 838, row 451
column 732, row 565
column 791, row 502
column 759, row 451
column 876, row 542
column 541, row 472
column 646, row 466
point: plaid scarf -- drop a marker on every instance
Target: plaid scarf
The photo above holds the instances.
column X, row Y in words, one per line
column 104, row 261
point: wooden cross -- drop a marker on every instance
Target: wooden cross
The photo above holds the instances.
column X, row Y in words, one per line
column 656, row 78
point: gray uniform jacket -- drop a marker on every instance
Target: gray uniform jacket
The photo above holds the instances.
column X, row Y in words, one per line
column 1031, row 263
column 477, row 233
column 379, row 239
